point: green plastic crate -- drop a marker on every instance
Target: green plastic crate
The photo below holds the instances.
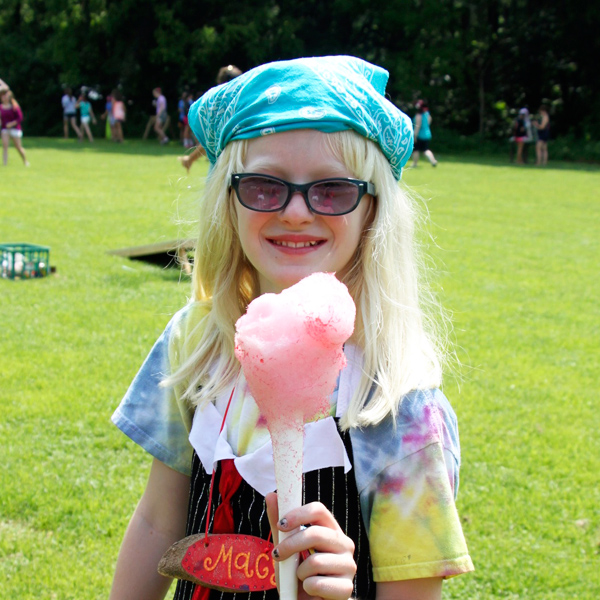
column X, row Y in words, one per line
column 24, row 261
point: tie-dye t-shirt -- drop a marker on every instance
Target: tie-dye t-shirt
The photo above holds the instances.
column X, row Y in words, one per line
column 406, row 472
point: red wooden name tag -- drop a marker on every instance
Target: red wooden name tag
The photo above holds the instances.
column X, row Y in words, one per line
column 231, row 562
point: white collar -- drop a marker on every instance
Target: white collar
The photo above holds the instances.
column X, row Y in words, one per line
column 323, row 446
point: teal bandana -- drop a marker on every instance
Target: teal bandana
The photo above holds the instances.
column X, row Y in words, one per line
column 329, row 93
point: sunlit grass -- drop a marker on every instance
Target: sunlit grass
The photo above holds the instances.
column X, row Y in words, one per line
column 518, row 249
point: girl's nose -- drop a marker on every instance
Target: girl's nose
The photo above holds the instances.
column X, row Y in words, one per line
column 297, row 211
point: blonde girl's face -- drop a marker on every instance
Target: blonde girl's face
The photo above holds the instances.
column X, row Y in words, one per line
column 288, row 245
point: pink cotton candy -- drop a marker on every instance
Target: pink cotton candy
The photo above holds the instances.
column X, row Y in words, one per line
column 290, row 347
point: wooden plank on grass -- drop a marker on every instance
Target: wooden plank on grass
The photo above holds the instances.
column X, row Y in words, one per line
column 172, row 246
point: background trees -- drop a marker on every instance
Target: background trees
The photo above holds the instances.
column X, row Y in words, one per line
column 474, row 60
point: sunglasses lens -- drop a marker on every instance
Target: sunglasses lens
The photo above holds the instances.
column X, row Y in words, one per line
column 262, row 193
column 333, row 197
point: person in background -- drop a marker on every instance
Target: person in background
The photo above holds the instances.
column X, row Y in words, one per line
column 108, row 116
column 182, row 108
column 11, row 117
column 161, row 115
column 422, row 127
column 151, row 120
column 86, row 113
column 118, row 113
column 543, row 136
column 189, row 141
column 228, row 73
column 522, row 134
column 224, row 75
column 4, row 87
column 69, row 105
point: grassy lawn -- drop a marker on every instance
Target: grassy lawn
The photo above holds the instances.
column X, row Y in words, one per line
column 518, row 250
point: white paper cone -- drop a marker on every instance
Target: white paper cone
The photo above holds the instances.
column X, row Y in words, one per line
column 287, row 453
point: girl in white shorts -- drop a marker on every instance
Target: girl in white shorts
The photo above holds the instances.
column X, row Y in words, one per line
column 11, row 117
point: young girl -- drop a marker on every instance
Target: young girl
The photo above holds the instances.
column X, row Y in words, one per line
column 108, row 116
column 522, row 134
column 543, row 136
column 86, row 113
column 118, row 113
column 422, row 127
column 305, row 157
column 161, row 122
column 69, row 104
column 11, row 117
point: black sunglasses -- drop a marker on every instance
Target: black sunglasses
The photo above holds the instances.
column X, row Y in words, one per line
column 330, row 197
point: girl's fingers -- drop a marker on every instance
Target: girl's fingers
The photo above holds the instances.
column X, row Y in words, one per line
column 332, row 588
column 327, row 564
column 329, row 571
column 326, row 575
column 324, row 535
column 314, row 513
column 318, row 538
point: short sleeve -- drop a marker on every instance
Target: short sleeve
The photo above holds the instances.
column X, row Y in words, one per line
column 415, row 530
column 407, row 472
column 153, row 416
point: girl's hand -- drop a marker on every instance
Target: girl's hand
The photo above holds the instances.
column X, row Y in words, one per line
column 329, row 571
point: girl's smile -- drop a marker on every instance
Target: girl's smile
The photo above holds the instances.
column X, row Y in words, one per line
column 288, row 245
column 295, row 244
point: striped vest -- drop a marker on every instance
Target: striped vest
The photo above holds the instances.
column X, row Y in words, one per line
column 331, row 486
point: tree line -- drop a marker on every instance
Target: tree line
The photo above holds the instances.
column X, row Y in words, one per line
column 476, row 61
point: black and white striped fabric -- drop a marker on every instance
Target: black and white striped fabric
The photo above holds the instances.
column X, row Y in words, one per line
column 331, row 486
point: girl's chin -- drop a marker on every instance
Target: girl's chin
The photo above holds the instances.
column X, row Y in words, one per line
column 274, row 285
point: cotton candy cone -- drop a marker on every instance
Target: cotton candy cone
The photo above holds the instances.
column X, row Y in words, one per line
column 290, row 346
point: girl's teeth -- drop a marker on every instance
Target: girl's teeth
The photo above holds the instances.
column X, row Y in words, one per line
column 295, row 244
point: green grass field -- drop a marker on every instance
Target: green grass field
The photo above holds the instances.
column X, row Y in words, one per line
column 518, row 253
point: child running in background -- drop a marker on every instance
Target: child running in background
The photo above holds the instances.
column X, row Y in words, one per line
column 11, row 117
column 224, row 75
column 422, row 127
column 305, row 160
column 86, row 112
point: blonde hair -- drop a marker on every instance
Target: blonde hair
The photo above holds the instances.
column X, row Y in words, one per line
column 397, row 339
column 10, row 97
